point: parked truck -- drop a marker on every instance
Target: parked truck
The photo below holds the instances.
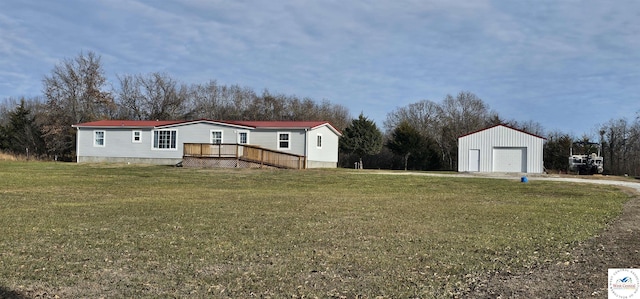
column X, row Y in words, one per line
column 588, row 162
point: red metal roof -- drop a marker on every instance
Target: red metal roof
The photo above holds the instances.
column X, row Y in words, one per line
column 160, row 123
column 284, row 124
column 128, row 123
column 278, row 124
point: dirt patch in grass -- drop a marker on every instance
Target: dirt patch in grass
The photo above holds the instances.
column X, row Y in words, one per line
column 583, row 277
column 9, row 294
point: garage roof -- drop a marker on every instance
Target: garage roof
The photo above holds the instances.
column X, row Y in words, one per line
column 168, row 123
column 502, row 125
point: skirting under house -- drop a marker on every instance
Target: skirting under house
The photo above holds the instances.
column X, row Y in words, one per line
column 201, row 162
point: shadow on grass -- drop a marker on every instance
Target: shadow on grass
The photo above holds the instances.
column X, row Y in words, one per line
column 5, row 293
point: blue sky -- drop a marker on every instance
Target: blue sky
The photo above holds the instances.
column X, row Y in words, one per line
column 570, row 65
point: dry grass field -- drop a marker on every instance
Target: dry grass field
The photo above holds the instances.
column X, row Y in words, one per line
column 123, row 231
column 7, row 157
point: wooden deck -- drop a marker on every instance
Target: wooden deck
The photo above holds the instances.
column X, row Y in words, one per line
column 234, row 154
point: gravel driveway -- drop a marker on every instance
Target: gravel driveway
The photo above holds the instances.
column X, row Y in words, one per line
column 604, row 180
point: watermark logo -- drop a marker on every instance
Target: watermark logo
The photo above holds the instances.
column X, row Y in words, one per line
column 624, row 283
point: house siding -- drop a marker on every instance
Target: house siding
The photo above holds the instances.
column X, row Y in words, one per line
column 119, row 143
column 268, row 138
column 120, row 147
column 201, row 133
column 319, row 157
column 500, row 137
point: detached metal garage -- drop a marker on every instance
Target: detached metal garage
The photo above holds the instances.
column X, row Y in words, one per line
column 500, row 149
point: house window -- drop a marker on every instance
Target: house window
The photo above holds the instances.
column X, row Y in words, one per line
column 98, row 138
column 216, row 137
column 165, row 139
column 136, row 137
column 319, row 141
column 243, row 137
column 284, row 140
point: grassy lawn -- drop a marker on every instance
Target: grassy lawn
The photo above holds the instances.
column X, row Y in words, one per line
column 147, row 231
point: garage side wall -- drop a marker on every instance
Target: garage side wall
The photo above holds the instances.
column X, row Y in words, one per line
column 499, row 137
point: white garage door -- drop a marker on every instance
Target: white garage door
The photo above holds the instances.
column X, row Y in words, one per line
column 510, row 159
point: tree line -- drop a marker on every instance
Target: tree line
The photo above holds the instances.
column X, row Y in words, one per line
column 77, row 91
column 420, row 136
column 423, row 136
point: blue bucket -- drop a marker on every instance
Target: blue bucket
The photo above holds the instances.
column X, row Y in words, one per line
column 524, row 179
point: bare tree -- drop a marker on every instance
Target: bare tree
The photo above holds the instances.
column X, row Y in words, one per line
column 77, row 86
column 129, row 99
column 233, row 102
column 268, row 106
column 162, row 97
column 206, row 101
column 423, row 115
column 445, row 122
column 336, row 114
column 157, row 96
column 621, row 144
column 531, row 127
column 154, row 96
column 75, row 93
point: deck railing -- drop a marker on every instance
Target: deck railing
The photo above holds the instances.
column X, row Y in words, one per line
column 245, row 152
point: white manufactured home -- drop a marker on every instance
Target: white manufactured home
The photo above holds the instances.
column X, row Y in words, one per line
column 500, row 148
column 163, row 142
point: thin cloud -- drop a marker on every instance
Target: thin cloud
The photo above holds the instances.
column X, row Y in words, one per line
column 527, row 61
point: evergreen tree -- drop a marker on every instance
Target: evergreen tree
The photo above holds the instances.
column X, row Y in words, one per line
column 405, row 141
column 362, row 138
column 21, row 135
column 556, row 151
